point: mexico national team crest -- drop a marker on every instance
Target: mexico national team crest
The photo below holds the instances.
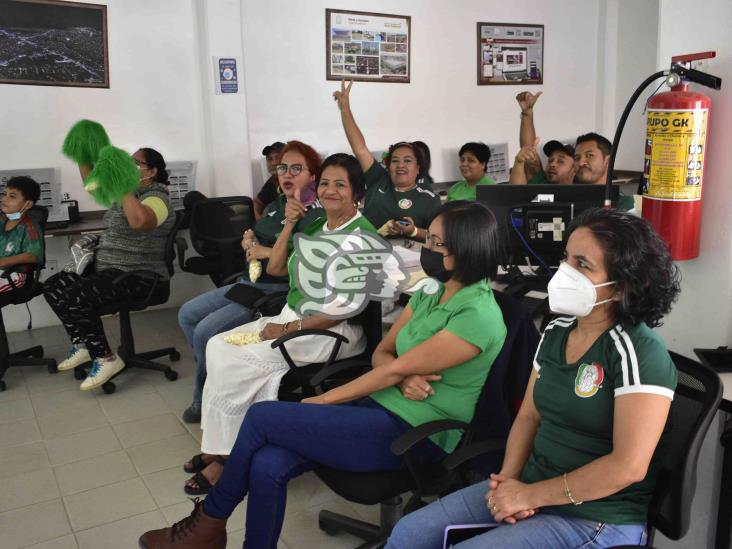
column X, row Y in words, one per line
column 405, row 203
column 588, row 380
column 338, row 273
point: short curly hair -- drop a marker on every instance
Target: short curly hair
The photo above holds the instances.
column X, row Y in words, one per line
column 638, row 260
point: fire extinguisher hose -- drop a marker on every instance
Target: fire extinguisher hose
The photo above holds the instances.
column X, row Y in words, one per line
column 619, row 131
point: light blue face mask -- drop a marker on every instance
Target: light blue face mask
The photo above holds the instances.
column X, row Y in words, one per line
column 14, row 216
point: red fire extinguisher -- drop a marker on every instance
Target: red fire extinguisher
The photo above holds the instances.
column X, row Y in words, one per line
column 675, row 148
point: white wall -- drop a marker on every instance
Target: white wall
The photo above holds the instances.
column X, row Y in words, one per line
column 628, row 36
column 154, row 99
column 288, row 96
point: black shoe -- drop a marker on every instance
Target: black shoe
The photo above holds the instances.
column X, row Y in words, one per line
column 192, row 414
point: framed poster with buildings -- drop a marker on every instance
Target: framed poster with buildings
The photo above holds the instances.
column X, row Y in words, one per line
column 53, row 43
column 510, row 53
column 371, row 47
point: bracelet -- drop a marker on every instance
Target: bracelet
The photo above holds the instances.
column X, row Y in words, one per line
column 299, row 324
column 568, row 493
column 284, row 328
column 415, row 232
column 526, row 113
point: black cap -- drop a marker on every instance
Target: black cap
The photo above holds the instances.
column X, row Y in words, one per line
column 277, row 146
column 554, row 145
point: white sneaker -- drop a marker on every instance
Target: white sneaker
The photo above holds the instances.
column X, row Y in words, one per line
column 76, row 357
column 101, row 372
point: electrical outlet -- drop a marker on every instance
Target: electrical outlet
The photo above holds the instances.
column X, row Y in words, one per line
column 51, row 267
column 66, row 196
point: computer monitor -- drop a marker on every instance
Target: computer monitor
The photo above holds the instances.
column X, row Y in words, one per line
column 514, row 60
column 533, row 219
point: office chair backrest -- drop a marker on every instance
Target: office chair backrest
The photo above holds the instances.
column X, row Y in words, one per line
column 372, row 327
column 218, row 220
column 170, row 242
column 696, row 400
column 507, row 380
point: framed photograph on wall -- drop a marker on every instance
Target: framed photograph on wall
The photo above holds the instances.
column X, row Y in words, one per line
column 372, row 47
column 510, row 53
column 53, row 43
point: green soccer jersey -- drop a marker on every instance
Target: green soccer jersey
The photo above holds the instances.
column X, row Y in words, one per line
column 383, row 202
column 294, row 296
column 462, row 191
column 269, row 227
column 473, row 315
column 576, row 403
column 25, row 237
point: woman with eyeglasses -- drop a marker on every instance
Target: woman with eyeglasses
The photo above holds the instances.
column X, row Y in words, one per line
column 135, row 238
column 395, row 203
column 241, row 375
column 431, row 365
column 209, row 314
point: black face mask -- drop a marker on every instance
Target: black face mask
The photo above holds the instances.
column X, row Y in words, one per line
column 433, row 265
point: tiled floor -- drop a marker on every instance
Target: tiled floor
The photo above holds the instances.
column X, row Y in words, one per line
column 94, row 471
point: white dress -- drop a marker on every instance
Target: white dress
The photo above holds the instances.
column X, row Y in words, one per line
column 238, row 376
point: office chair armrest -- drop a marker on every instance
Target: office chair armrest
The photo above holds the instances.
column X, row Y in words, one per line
column 150, row 275
column 337, row 368
column 181, row 245
column 462, row 455
column 233, row 278
column 279, row 343
column 417, row 434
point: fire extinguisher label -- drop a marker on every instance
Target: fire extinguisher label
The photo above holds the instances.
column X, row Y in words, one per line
column 674, row 159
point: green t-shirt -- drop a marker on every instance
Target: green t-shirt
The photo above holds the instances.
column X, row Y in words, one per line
column 25, row 237
column 270, row 225
column 576, row 403
column 318, row 226
column 473, row 315
column 384, row 202
column 539, row 179
column 462, row 191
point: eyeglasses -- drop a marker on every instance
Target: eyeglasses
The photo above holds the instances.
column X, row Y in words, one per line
column 432, row 243
column 294, row 169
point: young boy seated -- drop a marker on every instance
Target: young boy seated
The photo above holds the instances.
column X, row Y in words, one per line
column 21, row 241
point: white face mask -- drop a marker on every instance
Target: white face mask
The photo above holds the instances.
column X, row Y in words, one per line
column 572, row 293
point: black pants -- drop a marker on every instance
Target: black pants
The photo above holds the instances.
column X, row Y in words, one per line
column 76, row 300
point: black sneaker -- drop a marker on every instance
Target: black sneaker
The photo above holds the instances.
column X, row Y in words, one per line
column 192, row 414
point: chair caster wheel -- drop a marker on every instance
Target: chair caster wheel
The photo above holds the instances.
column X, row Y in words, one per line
column 171, row 375
column 327, row 528
column 108, row 388
column 174, row 356
column 2, row 386
column 53, row 368
column 79, row 373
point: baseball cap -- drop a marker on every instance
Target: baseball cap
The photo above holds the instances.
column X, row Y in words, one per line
column 277, row 146
column 554, row 145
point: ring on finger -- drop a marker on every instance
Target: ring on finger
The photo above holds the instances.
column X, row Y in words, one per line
column 495, row 508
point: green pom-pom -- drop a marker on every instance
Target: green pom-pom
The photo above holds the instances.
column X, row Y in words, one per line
column 84, row 142
column 114, row 175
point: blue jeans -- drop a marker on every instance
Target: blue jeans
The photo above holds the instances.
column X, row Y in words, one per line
column 279, row 441
column 425, row 528
column 209, row 314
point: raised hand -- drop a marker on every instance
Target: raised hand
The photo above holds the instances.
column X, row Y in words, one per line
column 342, row 96
column 526, row 100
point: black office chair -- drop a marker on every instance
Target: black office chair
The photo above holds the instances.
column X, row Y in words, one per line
column 480, row 451
column 158, row 295
column 17, row 296
column 306, row 381
column 696, row 400
column 216, row 229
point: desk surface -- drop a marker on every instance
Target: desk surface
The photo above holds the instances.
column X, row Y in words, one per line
column 90, row 222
